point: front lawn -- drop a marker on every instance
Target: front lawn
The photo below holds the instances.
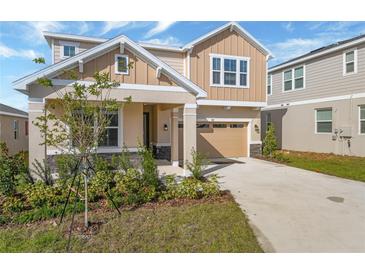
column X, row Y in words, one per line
column 206, row 225
column 342, row 166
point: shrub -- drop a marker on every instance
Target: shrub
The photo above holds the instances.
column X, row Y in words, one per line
column 40, row 194
column 43, row 171
column 280, row 157
column 198, row 165
column 270, row 144
column 12, row 204
column 10, row 167
column 148, row 167
column 123, row 161
column 65, row 165
column 133, row 190
column 99, row 184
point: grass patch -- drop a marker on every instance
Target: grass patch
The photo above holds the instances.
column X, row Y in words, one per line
column 207, row 225
column 348, row 167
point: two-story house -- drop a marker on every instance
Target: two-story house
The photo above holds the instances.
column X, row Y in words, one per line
column 206, row 95
column 317, row 101
column 14, row 130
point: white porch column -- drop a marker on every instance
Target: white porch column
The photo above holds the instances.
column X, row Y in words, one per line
column 174, row 137
column 189, row 131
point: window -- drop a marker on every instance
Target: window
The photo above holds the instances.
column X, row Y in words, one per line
column 236, row 125
column 229, row 71
column 219, row 125
column 16, row 129
column 180, row 125
column 324, row 120
column 293, row 79
column 121, row 64
column 110, row 137
column 216, row 70
column 68, row 49
column 362, row 119
column 26, row 125
column 269, row 84
column 350, row 62
column 202, row 125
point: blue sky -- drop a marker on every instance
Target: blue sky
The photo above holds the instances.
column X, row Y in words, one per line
column 20, row 42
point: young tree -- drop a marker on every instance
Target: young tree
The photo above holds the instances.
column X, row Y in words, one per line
column 270, row 144
column 81, row 126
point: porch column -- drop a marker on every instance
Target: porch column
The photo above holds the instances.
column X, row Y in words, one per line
column 174, row 137
column 189, row 132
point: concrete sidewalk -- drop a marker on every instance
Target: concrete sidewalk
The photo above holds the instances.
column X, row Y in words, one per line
column 294, row 210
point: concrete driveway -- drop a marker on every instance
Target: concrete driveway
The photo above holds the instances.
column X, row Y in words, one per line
column 294, row 210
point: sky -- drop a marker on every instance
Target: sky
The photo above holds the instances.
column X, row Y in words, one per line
column 20, row 42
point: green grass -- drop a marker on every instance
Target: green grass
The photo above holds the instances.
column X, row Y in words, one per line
column 204, row 226
column 342, row 166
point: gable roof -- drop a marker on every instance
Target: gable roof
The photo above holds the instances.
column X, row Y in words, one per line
column 21, row 84
column 321, row 51
column 10, row 111
column 232, row 26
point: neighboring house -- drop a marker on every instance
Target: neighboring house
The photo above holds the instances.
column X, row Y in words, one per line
column 317, row 101
column 205, row 95
column 14, row 128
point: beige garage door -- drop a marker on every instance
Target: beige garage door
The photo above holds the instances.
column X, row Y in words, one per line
column 217, row 140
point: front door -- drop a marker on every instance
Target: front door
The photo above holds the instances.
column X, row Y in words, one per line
column 146, row 129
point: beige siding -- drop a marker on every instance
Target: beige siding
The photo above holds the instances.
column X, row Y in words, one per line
column 139, row 73
column 324, row 78
column 7, row 133
column 295, row 127
column 229, row 43
column 82, row 47
column 173, row 59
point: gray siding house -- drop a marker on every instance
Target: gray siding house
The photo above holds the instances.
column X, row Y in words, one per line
column 317, row 101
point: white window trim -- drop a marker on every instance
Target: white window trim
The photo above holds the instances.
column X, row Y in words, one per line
column 67, row 43
column 360, row 120
column 315, row 118
column 269, row 84
column 238, row 59
column 119, row 128
column 344, row 62
column 293, row 79
column 116, row 64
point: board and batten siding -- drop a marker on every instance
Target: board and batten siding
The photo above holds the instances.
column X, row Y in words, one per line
column 173, row 59
column 229, row 43
column 82, row 47
column 324, row 78
column 139, row 73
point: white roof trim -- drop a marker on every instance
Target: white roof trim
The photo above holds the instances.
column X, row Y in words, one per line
column 315, row 55
column 229, row 103
column 233, row 26
column 61, row 82
column 12, row 114
column 21, row 84
column 160, row 47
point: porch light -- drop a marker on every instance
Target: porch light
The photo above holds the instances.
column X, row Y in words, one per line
column 165, row 128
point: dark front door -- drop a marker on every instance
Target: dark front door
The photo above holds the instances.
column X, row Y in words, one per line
column 146, row 129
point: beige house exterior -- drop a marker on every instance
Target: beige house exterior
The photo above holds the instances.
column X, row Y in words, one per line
column 14, row 129
column 206, row 95
column 317, row 101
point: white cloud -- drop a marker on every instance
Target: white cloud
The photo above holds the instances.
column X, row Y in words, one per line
column 83, row 27
column 168, row 41
column 35, row 29
column 161, row 26
column 23, row 53
column 111, row 25
column 288, row 26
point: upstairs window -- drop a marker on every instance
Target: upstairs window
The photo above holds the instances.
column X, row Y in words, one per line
column 16, row 129
column 324, row 120
column 269, row 84
column 68, row 49
column 229, row 71
column 350, row 62
column 362, row 119
column 294, row 79
column 121, row 64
